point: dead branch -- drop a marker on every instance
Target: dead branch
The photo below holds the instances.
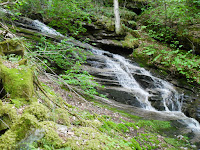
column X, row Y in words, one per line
column 8, row 3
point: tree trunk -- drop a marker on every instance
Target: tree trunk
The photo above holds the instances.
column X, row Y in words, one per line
column 117, row 17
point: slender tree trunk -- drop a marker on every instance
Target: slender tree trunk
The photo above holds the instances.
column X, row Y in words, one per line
column 117, row 17
column 49, row 4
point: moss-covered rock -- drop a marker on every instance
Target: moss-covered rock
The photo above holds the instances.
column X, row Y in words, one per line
column 8, row 116
column 8, row 140
column 190, row 39
column 130, row 41
column 17, row 82
column 24, row 124
column 107, row 23
column 40, row 111
column 12, row 46
column 18, row 131
column 127, row 14
column 51, row 136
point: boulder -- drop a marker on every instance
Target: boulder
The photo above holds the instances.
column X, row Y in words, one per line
column 144, row 81
column 122, row 95
column 12, row 46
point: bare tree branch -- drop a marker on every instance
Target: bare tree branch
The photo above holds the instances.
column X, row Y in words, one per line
column 8, row 3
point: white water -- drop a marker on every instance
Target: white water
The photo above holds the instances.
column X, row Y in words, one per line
column 124, row 70
column 45, row 29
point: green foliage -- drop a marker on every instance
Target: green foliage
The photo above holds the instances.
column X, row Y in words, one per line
column 62, row 55
column 66, row 16
column 113, row 129
column 164, row 19
column 176, row 142
column 71, row 14
column 83, row 80
column 12, row 57
column 66, row 59
column 184, row 63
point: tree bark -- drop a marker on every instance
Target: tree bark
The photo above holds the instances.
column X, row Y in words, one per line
column 117, row 17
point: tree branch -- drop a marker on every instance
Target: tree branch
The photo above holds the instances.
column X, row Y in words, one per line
column 8, row 3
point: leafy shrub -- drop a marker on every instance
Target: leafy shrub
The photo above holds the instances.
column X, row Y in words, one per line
column 66, row 59
column 67, row 16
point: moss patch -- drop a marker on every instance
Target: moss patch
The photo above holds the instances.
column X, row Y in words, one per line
column 60, row 116
column 51, row 136
column 108, row 23
column 8, row 140
column 17, row 82
column 40, row 111
column 130, row 41
column 18, row 131
column 8, row 116
column 89, row 138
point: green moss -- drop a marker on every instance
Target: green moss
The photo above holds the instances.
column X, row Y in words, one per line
column 8, row 140
column 18, row 131
column 22, row 62
column 88, row 138
column 134, row 33
column 176, row 143
column 8, row 115
column 108, row 23
column 130, row 41
column 18, row 102
column 51, row 136
column 60, row 116
column 128, row 15
column 132, row 24
column 40, row 111
column 17, row 82
column 93, row 123
column 24, row 124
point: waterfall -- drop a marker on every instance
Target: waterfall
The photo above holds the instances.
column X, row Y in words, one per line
column 124, row 71
column 148, row 90
column 44, row 29
column 126, row 74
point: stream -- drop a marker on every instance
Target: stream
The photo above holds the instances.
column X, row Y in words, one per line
column 132, row 88
column 130, row 84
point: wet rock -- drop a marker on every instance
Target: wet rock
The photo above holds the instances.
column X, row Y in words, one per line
column 123, row 96
column 156, row 102
column 194, row 110
column 144, row 81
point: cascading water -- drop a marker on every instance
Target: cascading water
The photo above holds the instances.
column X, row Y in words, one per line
column 144, row 86
column 124, row 71
column 44, row 29
column 152, row 93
